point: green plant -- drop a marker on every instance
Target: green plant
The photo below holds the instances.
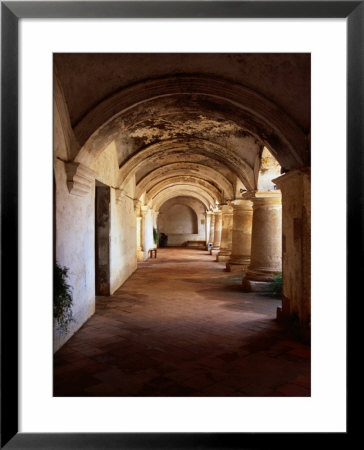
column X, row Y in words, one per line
column 276, row 284
column 62, row 298
column 155, row 235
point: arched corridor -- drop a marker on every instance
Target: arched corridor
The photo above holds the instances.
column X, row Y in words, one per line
column 207, row 339
column 182, row 192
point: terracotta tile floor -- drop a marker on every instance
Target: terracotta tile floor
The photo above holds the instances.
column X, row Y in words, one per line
column 181, row 326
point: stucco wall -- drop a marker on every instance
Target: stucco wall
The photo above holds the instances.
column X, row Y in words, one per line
column 269, row 169
column 147, row 231
column 179, row 219
column 122, row 241
column 75, row 230
column 74, row 239
column 123, row 220
column 75, row 249
column 182, row 219
column 296, row 218
column 179, row 240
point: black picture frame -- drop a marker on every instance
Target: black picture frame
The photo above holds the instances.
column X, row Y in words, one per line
column 11, row 12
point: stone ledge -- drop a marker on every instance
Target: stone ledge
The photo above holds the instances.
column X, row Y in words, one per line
column 80, row 179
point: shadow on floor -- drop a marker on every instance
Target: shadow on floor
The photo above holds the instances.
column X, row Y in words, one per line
column 183, row 330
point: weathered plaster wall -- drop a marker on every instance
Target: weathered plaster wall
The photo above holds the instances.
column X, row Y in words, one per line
column 123, row 259
column 75, row 241
column 269, row 169
column 296, row 247
column 89, row 78
column 147, row 230
column 182, row 219
column 179, row 219
column 75, row 249
column 106, row 166
column 123, row 221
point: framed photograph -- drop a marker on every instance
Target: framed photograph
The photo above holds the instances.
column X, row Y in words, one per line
column 162, row 282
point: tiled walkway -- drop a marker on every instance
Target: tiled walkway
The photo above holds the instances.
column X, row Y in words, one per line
column 181, row 326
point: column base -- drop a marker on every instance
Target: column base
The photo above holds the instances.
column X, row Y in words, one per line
column 215, row 251
column 256, row 286
column 140, row 255
column 238, row 264
column 236, row 267
column 222, row 258
column 291, row 322
column 261, row 275
column 223, row 255
column 258, row 280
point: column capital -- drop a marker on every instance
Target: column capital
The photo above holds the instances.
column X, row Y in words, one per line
column 292, row 175
column 80, row 179
column 244, row 205
column 267, row 198
column 144, row 210
column 247, row 195
column 227, row 209
column 137, row 204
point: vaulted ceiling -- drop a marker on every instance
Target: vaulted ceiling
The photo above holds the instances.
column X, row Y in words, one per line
column 188, row 123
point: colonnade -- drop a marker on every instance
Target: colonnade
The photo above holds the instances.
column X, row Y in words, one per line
column 247, row 235
column 260, row 235
column 266, row 233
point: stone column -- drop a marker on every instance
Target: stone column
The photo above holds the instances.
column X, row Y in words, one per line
column 212, row 230
column 217, row 232
column 266, row 249
column 226, row 233
column 241, row 236
column 296, row 249
column 155, row 224
column 155, row 218
column 208, row 216
column 140, row 255
column 144, row 231
column 139, row 238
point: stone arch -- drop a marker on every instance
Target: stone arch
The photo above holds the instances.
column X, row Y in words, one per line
column 174, row 191
column 276, row 129
column 196, row 146
column 179, row 169
column 185, row 181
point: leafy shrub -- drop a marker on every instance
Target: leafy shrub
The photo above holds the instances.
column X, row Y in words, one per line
column 62, row 298
column 155, row 235
column 276, row 284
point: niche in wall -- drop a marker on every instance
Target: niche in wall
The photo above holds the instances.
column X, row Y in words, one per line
column 178, row 219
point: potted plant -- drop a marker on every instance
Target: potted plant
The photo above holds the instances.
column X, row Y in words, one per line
column 155, row 236
column 276, row 285
column 62, row 298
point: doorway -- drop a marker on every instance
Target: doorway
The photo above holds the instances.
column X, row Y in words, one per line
column 102, row 239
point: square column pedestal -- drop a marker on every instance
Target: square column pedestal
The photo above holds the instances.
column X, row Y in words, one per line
column 296, row 265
